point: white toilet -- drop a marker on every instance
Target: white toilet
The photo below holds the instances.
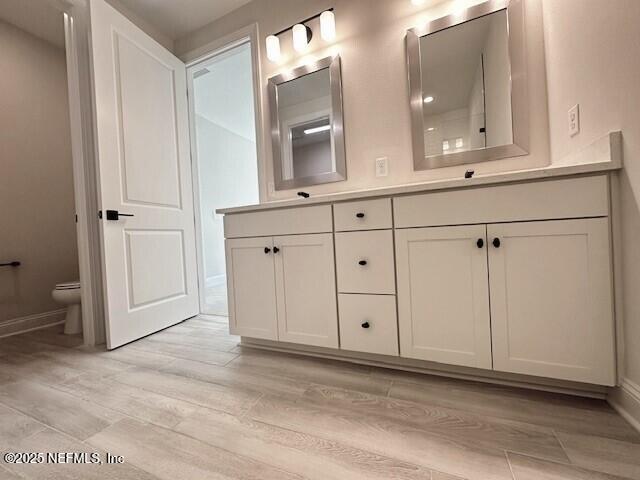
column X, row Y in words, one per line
column 69, row 294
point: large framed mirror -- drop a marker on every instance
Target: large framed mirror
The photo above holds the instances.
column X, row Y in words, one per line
column 307, row 130
column 468, row 86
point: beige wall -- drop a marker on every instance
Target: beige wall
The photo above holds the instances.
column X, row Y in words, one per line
column 36, row 185
column 593, row 59
column 376, row 108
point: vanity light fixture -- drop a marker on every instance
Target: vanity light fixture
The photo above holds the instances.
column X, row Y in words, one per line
column 302, row 34
column 428, row 99
column 323, row 128
column 273, row 48
column 301, row 37
column 328, row 26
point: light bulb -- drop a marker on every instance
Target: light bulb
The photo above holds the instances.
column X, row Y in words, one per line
column 428, row 99
column 273, row 48
column 328, row 26
column 300, row 39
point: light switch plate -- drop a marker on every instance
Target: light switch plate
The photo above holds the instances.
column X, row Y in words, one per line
column 382, row 167
column 574, row 120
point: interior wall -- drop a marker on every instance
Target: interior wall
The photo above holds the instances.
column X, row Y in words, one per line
column 371, row 43
column 36, row 185
column 593, row 61
column 223, row 172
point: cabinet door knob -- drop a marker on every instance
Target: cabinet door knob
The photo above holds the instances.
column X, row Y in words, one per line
column 496, row 242
column 360, row 215
column 276, row 249
column 365, row 325
column 267, row 250
column 480, row 243
column 362, row 262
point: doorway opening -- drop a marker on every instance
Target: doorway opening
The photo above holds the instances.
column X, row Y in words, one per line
column 225, row 163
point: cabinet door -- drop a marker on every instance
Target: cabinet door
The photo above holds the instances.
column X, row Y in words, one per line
column 251, row 287
column 306, row 289
column 443, row 297
column 551, row 299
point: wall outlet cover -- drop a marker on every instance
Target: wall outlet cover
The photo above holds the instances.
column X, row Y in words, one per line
column 574, row 120
column 382, row 166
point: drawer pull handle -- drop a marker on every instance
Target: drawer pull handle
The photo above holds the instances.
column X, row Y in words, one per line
column 496, row 242
column 267, row 250
column 360, row 215
column 365, row 325
column 480, row 243
column 362, row 263
column 276, row 249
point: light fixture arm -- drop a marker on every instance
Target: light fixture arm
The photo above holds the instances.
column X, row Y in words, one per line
column 303, row 22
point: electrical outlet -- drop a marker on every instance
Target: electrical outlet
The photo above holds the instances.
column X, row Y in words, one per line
column 382, row 167
column 574, row 120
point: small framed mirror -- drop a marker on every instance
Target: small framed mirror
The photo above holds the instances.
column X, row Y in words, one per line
column 468, row 86
column 307, row 131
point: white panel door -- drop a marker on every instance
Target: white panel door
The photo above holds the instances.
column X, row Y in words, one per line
column 150, row 278
column 443, row 297
column 306, row 289
column 251, row 287
column 551, row 300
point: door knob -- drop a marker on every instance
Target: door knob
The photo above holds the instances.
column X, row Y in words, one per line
column 115, row 215
column 365, row 325
column 480, row 243
column 496, row 242
column 276, row 249
column 362, row 262
column 360, row 215
column 267, row 250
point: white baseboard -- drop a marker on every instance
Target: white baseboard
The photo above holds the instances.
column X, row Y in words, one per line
column 626, row 400
column 32, row 322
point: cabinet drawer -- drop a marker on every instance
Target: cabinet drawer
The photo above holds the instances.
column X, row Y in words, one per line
column 365, row 215
column 288, row 221
column 368, row 323
column 364, row 262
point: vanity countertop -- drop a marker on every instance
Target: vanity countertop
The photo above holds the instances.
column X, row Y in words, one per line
column 602, row 156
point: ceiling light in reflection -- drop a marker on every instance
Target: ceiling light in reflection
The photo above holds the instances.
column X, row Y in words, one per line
column 323, row 128
column 428, row 99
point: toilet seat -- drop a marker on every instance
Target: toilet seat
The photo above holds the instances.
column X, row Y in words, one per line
column 68, row 286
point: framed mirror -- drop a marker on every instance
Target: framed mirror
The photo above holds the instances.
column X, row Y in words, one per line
column 468, row 86
column 307, row 132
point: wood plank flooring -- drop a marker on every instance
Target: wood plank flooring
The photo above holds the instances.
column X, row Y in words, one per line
column 188, row 403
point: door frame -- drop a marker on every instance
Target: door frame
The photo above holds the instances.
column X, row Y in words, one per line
column 192, row 60
column 85, row 180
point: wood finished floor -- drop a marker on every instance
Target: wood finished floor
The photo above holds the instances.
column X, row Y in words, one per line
column 188, row 403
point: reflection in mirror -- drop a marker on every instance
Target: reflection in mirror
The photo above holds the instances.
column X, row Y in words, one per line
column 307, row 139
column 462, row 93
column 304, row 109
column 465, row 74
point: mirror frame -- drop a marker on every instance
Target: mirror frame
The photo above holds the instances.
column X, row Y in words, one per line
column 519, row 92
column 337, row 124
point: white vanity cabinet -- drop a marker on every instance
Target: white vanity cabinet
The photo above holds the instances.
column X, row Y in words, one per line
column 514, row 278
column 530, row 297
column 282, row 287
column 251, row 287
column 443, row 295
column 551, row 299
